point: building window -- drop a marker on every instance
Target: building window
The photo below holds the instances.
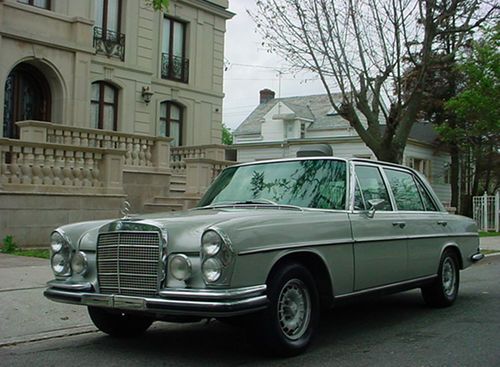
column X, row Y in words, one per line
column 421, row 165
column 171, row 122
column 174, row 64
column 44, row 4
column 104, row 106
column 107, row 37
column 27, row 97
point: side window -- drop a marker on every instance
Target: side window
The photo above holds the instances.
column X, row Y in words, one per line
column 405, row 190
column 428, row 202
column 372, row 186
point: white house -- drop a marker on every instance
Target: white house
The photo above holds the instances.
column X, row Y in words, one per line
column 279, row 127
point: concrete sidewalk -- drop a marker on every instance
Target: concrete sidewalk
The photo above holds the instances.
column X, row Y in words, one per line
column 26, row 315
column 490, row 243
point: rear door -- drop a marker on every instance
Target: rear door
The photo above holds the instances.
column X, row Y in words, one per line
column 425, row 225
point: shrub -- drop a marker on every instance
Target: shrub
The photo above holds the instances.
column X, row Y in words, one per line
column 9, row 246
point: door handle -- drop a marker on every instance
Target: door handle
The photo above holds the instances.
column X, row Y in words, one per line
column 399, row 224
column 442, row 223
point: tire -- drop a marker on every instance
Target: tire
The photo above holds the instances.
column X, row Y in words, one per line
column 118, row 324
column 444, row 290
column 287, row 326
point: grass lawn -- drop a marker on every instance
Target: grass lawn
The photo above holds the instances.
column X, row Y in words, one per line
column 41, row 253
column 489, row 234
column 488, row 252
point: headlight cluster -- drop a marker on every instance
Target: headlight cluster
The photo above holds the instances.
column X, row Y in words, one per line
column 216, row 258
column 62, row 260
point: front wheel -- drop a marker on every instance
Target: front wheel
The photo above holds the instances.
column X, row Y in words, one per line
column 286, row 327
column 118, row 324
column 444, row 290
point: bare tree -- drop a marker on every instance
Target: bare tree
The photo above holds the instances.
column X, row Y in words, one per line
column 362, row 49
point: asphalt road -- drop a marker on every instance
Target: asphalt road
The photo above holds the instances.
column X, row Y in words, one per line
column 397, row 330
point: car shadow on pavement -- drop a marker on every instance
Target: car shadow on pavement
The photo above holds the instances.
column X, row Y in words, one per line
column 361, row 322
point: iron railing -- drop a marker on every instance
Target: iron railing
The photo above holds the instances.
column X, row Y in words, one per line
column 109, row 43
column 174, row 68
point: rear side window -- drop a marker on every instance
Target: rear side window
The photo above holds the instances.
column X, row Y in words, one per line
column 405, row 190
column 371, row 187
column 428, row 202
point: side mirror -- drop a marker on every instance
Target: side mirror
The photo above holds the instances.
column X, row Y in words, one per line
column 375, row 204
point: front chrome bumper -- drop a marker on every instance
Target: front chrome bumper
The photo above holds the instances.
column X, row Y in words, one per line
column 171, row 301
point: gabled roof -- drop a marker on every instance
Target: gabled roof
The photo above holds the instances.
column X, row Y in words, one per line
column 318, row 109
column 315, row 107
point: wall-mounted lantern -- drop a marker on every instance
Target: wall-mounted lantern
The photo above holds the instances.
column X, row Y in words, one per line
column 146, row 95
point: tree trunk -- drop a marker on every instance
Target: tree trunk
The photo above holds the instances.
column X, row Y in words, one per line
column 455, row 175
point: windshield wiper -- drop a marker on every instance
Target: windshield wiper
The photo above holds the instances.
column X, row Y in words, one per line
column 250, row 202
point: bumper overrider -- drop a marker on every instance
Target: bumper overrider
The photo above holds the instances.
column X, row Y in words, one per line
column 170, row 301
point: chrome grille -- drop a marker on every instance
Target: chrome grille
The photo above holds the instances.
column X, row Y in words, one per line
column 127, row 263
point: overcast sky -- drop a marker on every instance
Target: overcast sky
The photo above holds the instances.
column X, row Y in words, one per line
column 251, row 68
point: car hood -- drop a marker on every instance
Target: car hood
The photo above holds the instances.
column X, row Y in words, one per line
column 246, row 228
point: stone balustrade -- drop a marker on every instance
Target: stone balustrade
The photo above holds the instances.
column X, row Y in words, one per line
column 179, row 155
column 54, row 156
column 142, row 152
column 50, row 168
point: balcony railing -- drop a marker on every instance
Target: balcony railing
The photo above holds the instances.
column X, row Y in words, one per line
column 109, row 43
column 174, row 68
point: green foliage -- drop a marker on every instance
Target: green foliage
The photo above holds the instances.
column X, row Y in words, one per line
column 489, row 234
column 9, row 245
column 478, row 103
column 227, row 136
column 158, row 5
column 40, row 253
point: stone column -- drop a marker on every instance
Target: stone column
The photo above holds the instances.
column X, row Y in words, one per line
column 111, row 169
column 198, row 176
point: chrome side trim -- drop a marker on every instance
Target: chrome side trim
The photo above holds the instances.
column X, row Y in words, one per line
column 387, row 286
column 477, row 257
column 86, row 286
column 381, row 239
column 287, row 246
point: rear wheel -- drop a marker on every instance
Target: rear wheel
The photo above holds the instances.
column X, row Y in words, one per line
column 286, row 327
column 118, row 324
column 444, row 290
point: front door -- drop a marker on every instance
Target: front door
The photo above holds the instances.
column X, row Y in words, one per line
column 27, row 97
column 380, row 247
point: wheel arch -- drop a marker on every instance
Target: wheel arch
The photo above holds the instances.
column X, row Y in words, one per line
column 316, row 265
column 452, row 246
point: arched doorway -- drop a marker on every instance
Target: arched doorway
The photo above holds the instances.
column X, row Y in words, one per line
column 27, row 97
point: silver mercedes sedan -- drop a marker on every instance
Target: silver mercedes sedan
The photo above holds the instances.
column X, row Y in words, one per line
column 269, row 245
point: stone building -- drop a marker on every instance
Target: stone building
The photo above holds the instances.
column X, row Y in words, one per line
column 106, row 100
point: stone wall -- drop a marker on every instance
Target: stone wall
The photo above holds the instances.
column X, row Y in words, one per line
column 31, row 217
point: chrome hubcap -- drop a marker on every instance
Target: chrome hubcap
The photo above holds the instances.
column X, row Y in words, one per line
column 448, row 276
column 294, row 309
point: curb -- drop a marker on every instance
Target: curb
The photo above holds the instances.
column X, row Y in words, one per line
column 76, row 330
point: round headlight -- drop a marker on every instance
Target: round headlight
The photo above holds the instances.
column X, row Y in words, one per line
column 211, row 243
column 212, row 269
column 180, row 267
column 57, row 242
column 60, row 264
column 79, row 263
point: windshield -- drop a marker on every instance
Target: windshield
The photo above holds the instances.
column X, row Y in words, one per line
column 319, row 183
